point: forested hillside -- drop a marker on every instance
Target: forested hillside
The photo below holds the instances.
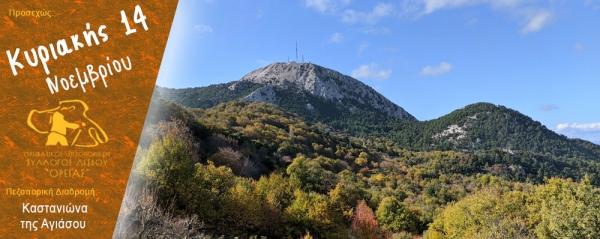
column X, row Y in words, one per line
column 481, row 126
column 484, row 126
column 206, row 97
column 254, row 169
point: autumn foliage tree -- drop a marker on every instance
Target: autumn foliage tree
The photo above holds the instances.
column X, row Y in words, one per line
column 365, row 225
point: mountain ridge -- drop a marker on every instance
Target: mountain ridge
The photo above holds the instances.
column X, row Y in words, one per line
column 348, row 105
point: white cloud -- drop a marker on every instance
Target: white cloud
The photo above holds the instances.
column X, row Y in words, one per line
column 362, row 47
column 536, row 20
column 338, row 8
column 574, row 127
column 259, row 13
column 380, row 10
column 417, row 8
column 433, row 5
column 534, row 17
column 390, row 49
column 430, row 6
column 326, row 6
column 203, row 28
column 471, row 20
column 443, row 68
column 587, row 131
column 336, row 37
column 506, row 3
column 263, row 62
column 371, row 71
column 595, row 4
column 579, row 47
column 319, row 5
column 375, row 30
column 548, row 107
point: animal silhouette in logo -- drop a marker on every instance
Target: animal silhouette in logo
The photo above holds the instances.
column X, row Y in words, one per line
column 64, row 125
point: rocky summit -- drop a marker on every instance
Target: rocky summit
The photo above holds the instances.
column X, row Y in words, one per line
column 318, row 81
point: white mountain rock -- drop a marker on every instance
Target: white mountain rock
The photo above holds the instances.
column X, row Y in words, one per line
column 319, row 81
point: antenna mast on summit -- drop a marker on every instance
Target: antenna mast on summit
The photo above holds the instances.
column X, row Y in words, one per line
column 296, row 51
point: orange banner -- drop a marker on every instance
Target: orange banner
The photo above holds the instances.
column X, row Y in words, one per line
column 77, row 78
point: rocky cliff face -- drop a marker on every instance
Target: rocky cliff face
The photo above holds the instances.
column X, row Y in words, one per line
column 321, row 81
column 262, row 94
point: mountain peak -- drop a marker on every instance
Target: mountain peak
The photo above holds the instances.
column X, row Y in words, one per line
column 324, row 82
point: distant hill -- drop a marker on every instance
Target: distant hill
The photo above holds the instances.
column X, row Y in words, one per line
column 485, row 126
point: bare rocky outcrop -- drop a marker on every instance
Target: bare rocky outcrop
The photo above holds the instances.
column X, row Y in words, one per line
column 262, row 94
column 321, row 81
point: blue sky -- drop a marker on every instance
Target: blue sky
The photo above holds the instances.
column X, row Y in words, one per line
column 430, row 57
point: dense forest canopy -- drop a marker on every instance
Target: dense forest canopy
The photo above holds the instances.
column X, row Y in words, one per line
column 255, row 169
